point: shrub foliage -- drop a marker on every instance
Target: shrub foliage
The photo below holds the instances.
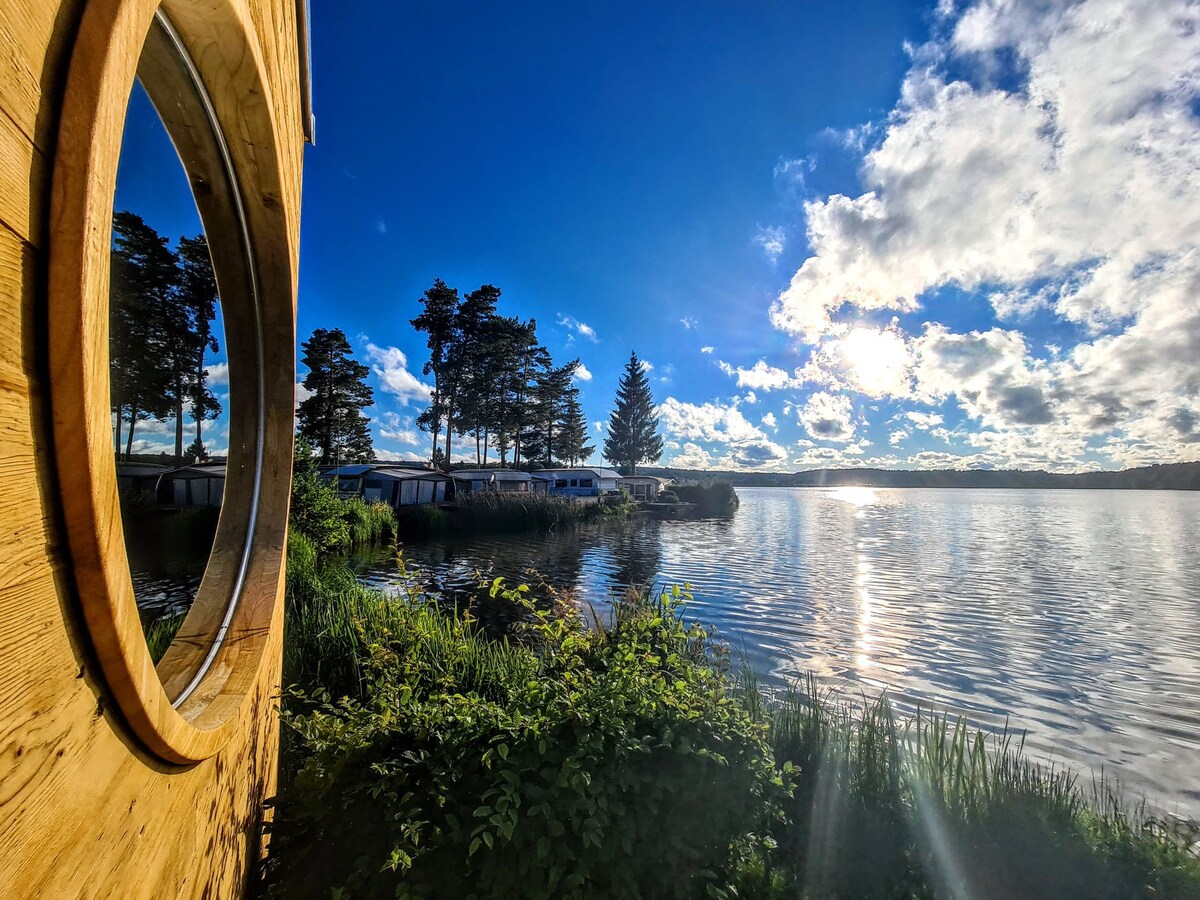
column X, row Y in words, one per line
column 564, row 762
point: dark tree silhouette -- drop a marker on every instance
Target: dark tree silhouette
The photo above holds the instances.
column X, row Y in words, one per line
column 439, row 321
column 332, row 419
column 632, row 435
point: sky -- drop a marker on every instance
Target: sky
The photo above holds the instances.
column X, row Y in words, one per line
column 912, row 235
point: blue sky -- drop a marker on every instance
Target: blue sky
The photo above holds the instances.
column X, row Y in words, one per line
column 899, row 234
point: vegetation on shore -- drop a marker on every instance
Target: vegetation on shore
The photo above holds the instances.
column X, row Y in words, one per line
column 329, row 523
column 627, row 757
column 712, row 498
column 496, row 511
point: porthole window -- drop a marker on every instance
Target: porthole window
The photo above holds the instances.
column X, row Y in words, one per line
column 172, row 328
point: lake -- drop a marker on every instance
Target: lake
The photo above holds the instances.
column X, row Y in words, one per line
column 1072, row 615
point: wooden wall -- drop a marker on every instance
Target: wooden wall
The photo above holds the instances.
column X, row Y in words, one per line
column 85, row 809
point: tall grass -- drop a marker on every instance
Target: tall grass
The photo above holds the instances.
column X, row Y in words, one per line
column 160, row 633
column 924, row 805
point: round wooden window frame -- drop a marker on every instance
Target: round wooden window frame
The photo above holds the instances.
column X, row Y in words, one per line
column 187, row 708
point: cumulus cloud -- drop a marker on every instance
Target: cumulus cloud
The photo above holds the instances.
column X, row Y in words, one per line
column 391, row 366
column 1045, row 158
column 576, row 327
column 828, row 417
column 770, row 421
column 707, row 349
column 582, row 373
column 218, row 373
column 401, row 430
column 742, row 445
column 302, row 393
column 761, row 376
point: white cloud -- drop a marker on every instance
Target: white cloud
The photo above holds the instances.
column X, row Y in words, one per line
column 924, row 421
column 583, row 373
column 827, row 417
column 689, row 322
column 770, row 421
column 760, row 376
column 401, row 430
column 692, row 456
column 646, row 365
column 745, row 445
column 380, row 226
column 598, row 426
column 581, row 328
column 707, row 349
column 218, row 373
column 899, row 436
column 302, row 393
column 1046, row 157
column 773, row 241
column 391, row 365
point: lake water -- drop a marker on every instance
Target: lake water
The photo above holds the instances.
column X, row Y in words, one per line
column 1073, row 615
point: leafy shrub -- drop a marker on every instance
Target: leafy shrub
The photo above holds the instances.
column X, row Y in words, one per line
column 330, row 523
column 566, row 762
column 712, row 497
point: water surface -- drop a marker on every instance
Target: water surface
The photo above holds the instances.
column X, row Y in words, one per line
column 1074, row 615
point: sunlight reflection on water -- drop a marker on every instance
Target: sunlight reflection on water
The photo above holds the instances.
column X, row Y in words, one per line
column 1073, row 614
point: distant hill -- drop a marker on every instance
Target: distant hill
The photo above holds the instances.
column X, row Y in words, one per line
column 1171, row 477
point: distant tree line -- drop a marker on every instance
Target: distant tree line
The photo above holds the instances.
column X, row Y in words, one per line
column 495, row 384
column 162, row 307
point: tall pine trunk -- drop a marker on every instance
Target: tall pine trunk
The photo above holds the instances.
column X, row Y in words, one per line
column 178, row 422
column 132, row 422
column 117, row 436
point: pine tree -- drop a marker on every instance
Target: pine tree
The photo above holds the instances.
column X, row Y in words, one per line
column 332, row 417
column 143, row 281
column 440, row 321
column 632, row 436
column 198, row 294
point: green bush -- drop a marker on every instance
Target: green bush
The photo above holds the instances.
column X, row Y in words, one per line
column 330, row 523
column 712, row 497
column 568, row 761
column 500, row 511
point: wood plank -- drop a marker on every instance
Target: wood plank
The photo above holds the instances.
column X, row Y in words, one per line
column 85, row 809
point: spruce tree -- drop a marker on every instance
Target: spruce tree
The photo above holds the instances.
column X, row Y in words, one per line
column 632, row 436
column 573, row 446
column 332, row 417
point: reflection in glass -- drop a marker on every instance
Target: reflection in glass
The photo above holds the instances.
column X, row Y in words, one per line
column 167, row 374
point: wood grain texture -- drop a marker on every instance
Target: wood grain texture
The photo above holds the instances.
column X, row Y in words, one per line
column 88, row 807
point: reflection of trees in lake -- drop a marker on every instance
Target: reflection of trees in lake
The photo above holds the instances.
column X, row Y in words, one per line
column 636, row 553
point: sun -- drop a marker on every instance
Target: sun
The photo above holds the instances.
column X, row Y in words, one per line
column 876, row 361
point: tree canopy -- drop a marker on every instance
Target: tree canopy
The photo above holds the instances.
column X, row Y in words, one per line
column 332, row 418
column 494, row 382
column 162, row 306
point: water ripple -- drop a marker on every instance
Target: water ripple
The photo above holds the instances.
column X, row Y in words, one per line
column 1074, row 615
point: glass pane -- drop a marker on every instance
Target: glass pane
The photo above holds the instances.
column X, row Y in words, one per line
column 169, row 375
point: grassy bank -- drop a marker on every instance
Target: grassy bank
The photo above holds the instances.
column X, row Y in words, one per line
column 494, row 511
column 629, row 759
